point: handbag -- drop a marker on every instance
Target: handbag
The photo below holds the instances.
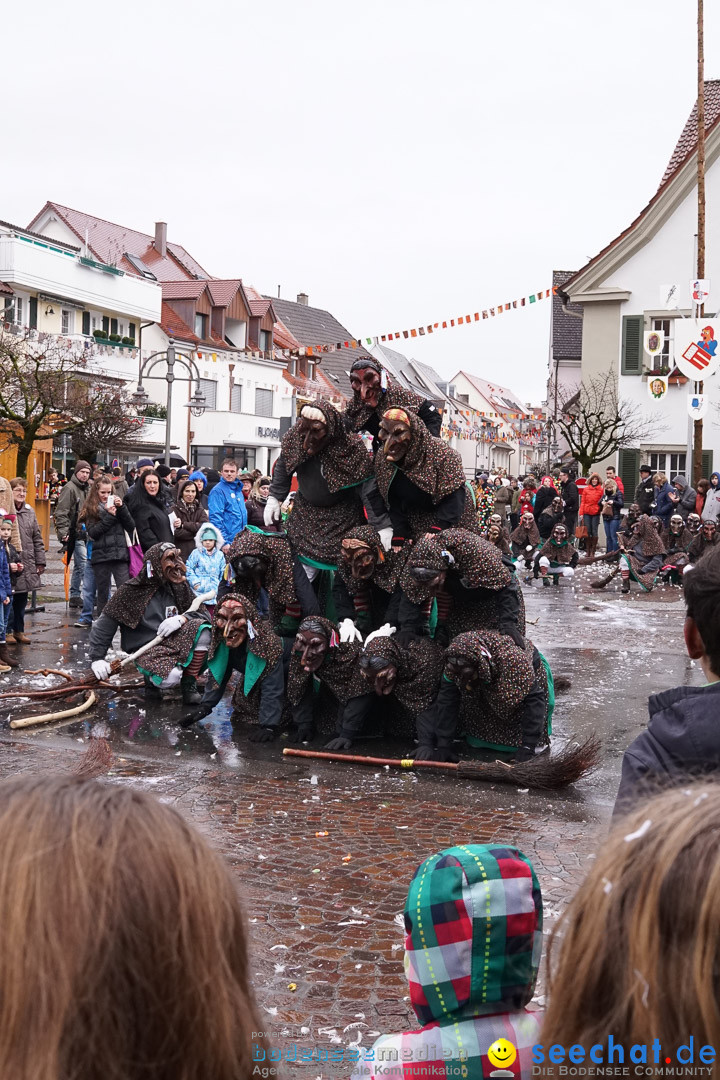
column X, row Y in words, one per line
column 607, row 511
column 581, row 532
column 135, row 553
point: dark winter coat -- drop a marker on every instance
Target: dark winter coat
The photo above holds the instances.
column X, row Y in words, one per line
column 645, row 495
column 256, row 513
column 69, row 506
column 544, row 497
column 33, row 551
column 151, row 519
column 616, row 501
column 682, row 739
column 107, row 533
column 687, row 494
column 664, row 506
column 192, row 517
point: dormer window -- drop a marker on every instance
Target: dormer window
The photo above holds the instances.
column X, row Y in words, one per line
column 201, row 326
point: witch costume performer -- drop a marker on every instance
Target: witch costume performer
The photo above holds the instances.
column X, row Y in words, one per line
column 524, row 541
column 472, row 585
column 499, row 695
column 557, row 557
column 241, row 643
column 421, row 480
column 153, row 604
column 366, row 586
column 374, row 394
column 335, row 480
column 406, row 677
column 677, row 539
column 642, row 556
column 706, row 540
column 343, row 702
column 258, row 562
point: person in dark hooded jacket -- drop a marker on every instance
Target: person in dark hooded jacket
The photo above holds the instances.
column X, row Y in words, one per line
column 683, row 497
column 473, row 926
column 683, row 736
column 149, row 512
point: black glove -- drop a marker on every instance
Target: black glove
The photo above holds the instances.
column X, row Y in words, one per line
column 434, row 753
column 442, row 635
column 514, row 633
column 340, row 742
column 263, row 734
column 196, row 714
column 525, row 753
column 304, row 733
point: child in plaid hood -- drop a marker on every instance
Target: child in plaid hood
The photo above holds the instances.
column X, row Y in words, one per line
column 473, row 922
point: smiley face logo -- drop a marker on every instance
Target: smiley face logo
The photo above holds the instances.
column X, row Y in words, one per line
column 501, row 1054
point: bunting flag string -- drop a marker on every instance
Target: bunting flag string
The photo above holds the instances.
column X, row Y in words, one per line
column 422, row 331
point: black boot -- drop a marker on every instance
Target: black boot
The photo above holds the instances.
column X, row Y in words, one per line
column 625, row 585
column 190, row 693
column 152, row 692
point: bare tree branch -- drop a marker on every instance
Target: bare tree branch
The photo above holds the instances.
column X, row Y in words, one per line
column 595, row 422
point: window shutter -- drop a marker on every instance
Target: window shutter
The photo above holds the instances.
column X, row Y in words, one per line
column 86, row 322
column 632, row 345
column 707, row 463
column 236, row 398
column 629, row 472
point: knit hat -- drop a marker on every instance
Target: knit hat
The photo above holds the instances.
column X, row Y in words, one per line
column 144, row 463
column 645, row 468
column 163, row 471
column 182, row 473
column 82, row 465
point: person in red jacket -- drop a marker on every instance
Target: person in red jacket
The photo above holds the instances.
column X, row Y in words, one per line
column 590, row 499
column 610, row 474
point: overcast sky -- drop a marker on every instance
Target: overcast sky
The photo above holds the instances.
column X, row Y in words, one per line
column 401, row 161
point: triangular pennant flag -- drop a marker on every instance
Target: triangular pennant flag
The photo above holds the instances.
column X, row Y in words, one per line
column 484, row 314
column 532, row 299
column 477, row 316
column 413, row 333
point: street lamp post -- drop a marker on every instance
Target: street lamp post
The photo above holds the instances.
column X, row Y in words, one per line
column 170, row 357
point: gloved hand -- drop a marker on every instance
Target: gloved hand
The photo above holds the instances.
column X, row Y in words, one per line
column 341, row 742
column 272, row 513
column 169, row 626
column 435, row 753
column 304, row 733
column 349, row 631
column 101, row 669
column 386, row 536
column 195, row 715
column 525, row 753
column 386, row 630
column 263, row 734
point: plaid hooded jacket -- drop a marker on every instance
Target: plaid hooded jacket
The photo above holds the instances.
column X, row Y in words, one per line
column 473, row 922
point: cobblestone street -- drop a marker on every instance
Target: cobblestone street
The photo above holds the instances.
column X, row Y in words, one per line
column 326, row 910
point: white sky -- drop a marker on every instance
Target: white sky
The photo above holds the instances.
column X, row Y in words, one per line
column 402, row 161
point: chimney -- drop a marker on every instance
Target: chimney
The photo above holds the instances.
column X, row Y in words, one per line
column 161, row 238
column 302, row 298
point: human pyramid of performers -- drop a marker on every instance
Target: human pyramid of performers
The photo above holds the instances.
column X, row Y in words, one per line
column 380, row 609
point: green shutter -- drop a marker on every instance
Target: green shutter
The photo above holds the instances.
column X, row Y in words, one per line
column 629, row 472
column 707, row 463
column 86, row 323
column 632, row 345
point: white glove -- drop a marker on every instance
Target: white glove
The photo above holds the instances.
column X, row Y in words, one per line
column 169, row 626
column 386, row 536
column 349, row 631
column 101, row 670
column 385, row 631
column 272, row 511
column 175, row 677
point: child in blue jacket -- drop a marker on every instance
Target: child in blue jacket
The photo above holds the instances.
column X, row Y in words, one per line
column 5, row 598
column 206, row 563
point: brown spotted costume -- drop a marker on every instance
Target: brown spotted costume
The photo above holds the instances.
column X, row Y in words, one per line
column 329, row 500
column 419, row 666
column 645, row 553
column 363, row 417
column 375, row 601
column 426, row 491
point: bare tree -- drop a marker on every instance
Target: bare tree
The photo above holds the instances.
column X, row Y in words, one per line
column 596, row 422
column 34, row 373
column 103, row 419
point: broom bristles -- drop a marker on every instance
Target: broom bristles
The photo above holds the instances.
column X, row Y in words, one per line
column 97, row 760
column 545, row 773
column 561, row 683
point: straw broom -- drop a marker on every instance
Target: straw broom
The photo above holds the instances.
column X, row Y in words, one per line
column 547, row 772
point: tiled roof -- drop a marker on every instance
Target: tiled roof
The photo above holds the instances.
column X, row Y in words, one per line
column 183, row 290
column 4, row 288
column 174, row 326
column 314, row 326
column 684, row 150
column 108, row 243
column 688, row 139
column 501, row 399
column 222, row 291
column 283, row 338
column 566, row 330
column 259, row 304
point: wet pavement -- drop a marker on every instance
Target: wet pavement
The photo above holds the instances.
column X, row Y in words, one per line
column 325, row 910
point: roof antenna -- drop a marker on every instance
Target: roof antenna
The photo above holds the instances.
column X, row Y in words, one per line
column 278, row 292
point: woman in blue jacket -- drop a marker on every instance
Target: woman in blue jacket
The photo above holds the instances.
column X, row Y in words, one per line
column 664, row 506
